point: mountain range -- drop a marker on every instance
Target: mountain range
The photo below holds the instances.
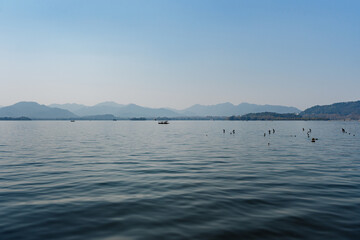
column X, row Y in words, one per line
column 133, row 110
column 111, row 110
column 118, row 110
column 107, row 110
column 228, row 109
column 34, row 110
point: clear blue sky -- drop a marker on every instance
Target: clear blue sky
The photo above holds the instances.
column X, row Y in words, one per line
column 177, row 53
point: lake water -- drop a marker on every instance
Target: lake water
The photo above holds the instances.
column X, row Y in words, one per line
column 186, row 180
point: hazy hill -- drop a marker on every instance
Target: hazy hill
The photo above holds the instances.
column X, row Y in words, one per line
column 110, row 110
column 335, row 111
column 118, row 110
column 228, row 109
column 98, row 109
column 72, row 107
column 34, row 110
column 133, row 110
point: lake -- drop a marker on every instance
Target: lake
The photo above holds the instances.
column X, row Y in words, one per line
column 185, row 180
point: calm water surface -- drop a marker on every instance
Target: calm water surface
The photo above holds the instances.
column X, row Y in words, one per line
column 186, row 180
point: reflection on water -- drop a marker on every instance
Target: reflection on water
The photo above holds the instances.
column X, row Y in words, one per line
column 185, row 180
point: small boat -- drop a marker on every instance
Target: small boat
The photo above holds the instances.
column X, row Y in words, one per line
column 163, row 122
column 72, row 120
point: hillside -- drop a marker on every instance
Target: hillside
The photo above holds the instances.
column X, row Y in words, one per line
column 72, row 107
column 343, row 110
column 34, row 110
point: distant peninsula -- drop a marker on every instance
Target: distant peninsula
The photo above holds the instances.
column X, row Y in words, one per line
column 15, row 119
column 271, row 116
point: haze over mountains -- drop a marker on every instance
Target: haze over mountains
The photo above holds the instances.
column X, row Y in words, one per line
column 34, row 110
column 62, row 111
column 133, row 110
column 118, row 110
column 111, row 110
column 228, row 109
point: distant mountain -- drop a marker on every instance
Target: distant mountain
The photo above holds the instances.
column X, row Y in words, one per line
column 133, row 110
column 72, row 107
column 118, row 110
column 340, row 110
column 228, row 109
column 109, row 104
column 34, row 110
column 100, row 109
column 112, row 110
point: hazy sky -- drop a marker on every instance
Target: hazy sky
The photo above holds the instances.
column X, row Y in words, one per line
column 177, row 53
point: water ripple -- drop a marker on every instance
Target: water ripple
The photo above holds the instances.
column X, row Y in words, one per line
column 137, row 180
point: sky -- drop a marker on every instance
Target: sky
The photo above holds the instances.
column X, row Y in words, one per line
column 167, row 53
